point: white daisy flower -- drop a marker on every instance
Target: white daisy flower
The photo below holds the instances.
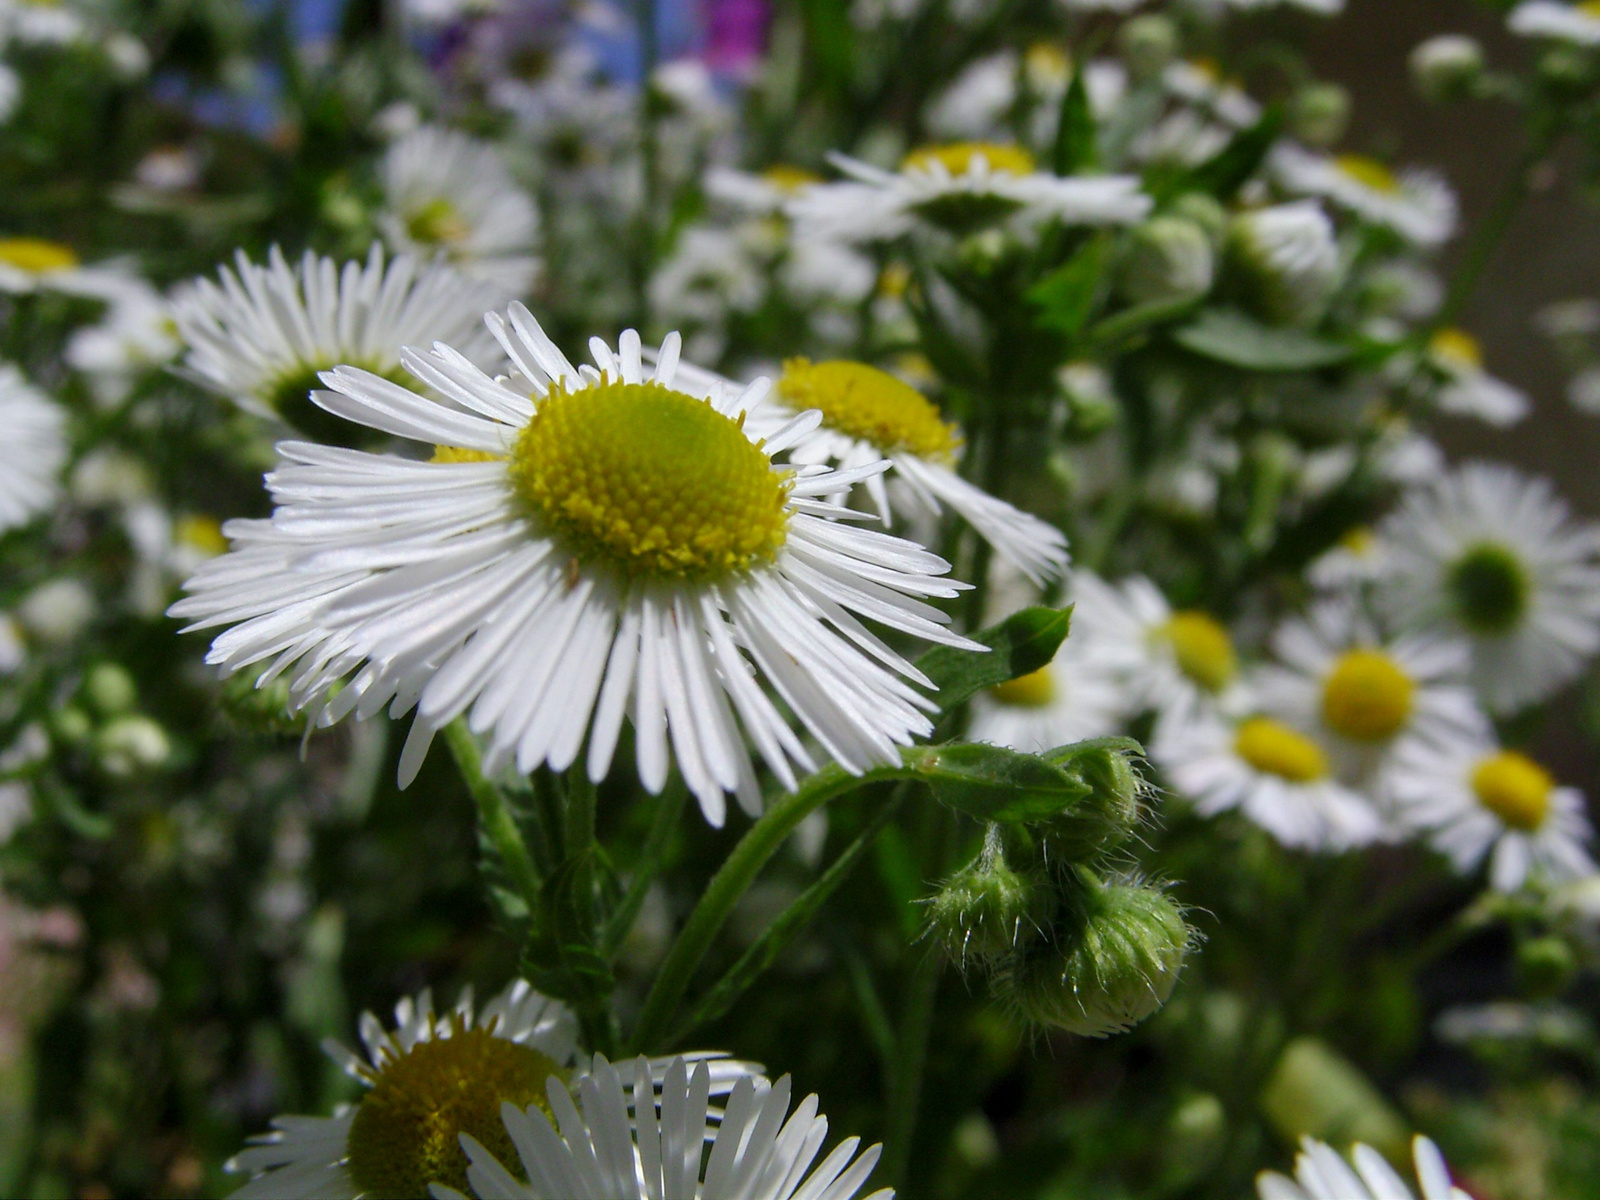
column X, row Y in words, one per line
column 1417, row 204
column 1276, row 776
column 1356, row 560
column 762, row 194
column 31, row 452
column 609, row 539
column 260, row 335
column 959, row 188
column 1166, row 659
column 870, row 416
column 1475, row 801
column 1362, row 694
column 136, row 334
column 1321, row 1174
column 1468, row 389
column 431, row 1079
column 1490, row 554
column 41, row 23
column 446, row 193
column 35, row 265
column 1070, row 699
column 1577, row 23
column 1327, row 8
column 1198, row 82
column 642, row 1142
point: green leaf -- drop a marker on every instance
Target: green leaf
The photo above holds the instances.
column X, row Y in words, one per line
column 1067, row 296
column 1019, row 645
column 1229, row 336
column 1075, row 148
column 1231, row 168
column 1105, row 335
column 992, row 783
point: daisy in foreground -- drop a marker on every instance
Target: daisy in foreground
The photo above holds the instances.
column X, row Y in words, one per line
column 610, row 545
column 648, row 1143
column 959, row 188
column 1321, row 1174
column 1476, row 801
column 260, row 334
column 1494, row 556
column 32, row 450
column 870, row 416
column 431, row 1079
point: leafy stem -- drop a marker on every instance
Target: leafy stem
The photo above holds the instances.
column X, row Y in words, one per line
column 494, row 814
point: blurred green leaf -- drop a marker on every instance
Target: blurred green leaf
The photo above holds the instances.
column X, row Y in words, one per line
column 1075, row 148
column 1229, row 336
column 1019, row 645
column 1067, row 296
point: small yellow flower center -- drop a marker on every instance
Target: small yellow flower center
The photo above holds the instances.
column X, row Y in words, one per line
column 1369, row 172
column 1590, row 8
column 894, row 281
column 871, row 405
column 958, row 157
column 1514, row 788
column 1207, row 68
column 1272, row 748
column 200, row 532
column 460, row 454
column 1456, row 349
column 1366, row 696
column 1047, row 64
column 36, row 256
column 1202, row 647
column 790, row 180
column 1360, row 541
column 651, row 481
column 1035, row 690
column 407, row 1129
column 436, row 223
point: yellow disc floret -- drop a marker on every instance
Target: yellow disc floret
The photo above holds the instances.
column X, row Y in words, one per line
column 1590, row 8
column 1202, row 647
column 460, row 454
column 1514, row 788
column 36, row 256
column 1369, row 172
column 871, row 405
column 1456, row 349
column 789, row 179
column 436, row 223
column 1272, row 748
column 958, row 157
column 651, row 481
column 407, row 1130
column 200, row 532
column 1034, row 690
column 1366, row 696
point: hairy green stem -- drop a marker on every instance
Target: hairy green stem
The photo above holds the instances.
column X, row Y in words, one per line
column 494, row 815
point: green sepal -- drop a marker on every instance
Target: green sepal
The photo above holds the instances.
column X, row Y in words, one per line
column 1020, row 645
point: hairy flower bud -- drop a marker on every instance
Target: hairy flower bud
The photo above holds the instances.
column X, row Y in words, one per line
column 1169, row 258
column 1147, row 45
column 1287, row 259
column 985, row 910
column 1112, row 809
column 1446, row 67
column 1125, row 944
column 1320, row 113
column 257, row 708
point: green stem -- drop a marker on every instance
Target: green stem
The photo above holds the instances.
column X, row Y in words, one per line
column 727, row 887
column 669, row 808
column 910, row 1065
column 1118, row 508
column 494, row 815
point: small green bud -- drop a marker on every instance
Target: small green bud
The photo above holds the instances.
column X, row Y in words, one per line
column 1204, row 211
column 1446, row 67
column 1112, row 809
column 1194, row 1137
column 985, row 910
column 981, row 252
column 1315, row 1090
column 1545, row 966
column 1126, row 945
column 70, row 725
column 1148, row 44
column 1287, row 260
column 1566, row 69
column 109, row 689
column 1168, row 258
column 132, row 744
column 1320, row 113
column 264, row 709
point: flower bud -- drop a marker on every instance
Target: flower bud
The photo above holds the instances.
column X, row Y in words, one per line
column 1287, row 259
column 1169, row 259
column 1320, row 113
column 1091, row 404
column 109, row 689
column 1545, row 966
column 56, row 612
column 259, row 709
column 1147, row 45
column 70, row 725
column 1125, row 947
column 132, row 744
column 1315, row 1090
column 984, row 911
column 1567, row 70
column 1205, row 212
column 1195, row 1132
column 1446, row 67
column 1109, row 813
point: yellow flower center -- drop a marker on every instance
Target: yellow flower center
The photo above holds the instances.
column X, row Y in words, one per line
column 436, row 223
column 406, row 1132
column 1047, row 64
column 200, row 532
column 460, row 454
column 1590, row 8
column 1514, row 788
column 651, row 481
column 36, row 256
column 1202, row 647
column 1034, row 690
column 958, row 157
column 789, row 179
column 1272, row 748
column 894, row 281
column 870, row 405
column 1369, row 172
column 1366, row 696
column 1360, row 541
column 1456, row 348
column 1490, row 587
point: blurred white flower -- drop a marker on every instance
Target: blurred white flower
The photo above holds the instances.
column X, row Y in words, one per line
column 33, row 448
column 1417, row 204
column 1576, row 23
column 1469, row 390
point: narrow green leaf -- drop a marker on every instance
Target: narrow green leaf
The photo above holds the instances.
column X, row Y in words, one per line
column 1065, row 298
column 992, row 783
column 1019, row 645
column 1075, row 148
column 1104, row 336
column 1232, row 167
column 1228, row 336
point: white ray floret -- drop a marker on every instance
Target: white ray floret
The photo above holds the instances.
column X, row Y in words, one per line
column 559, row 566
column 1320, row 1173
column 1417, row 204
column 1576, row 23
column 638, row 1141
column 32, row 450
